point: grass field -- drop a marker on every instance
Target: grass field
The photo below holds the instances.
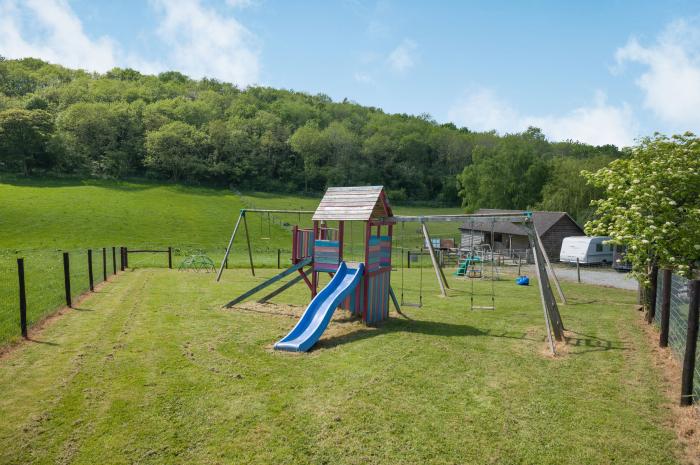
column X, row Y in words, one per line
column 39, row 219
column 152, row 370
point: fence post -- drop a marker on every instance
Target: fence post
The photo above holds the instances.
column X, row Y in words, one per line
column 578, row 270
column 92, row 283
column 126, row 257
column 22, row 298
column 66, row 278
column 104, row 264
column 667, row 279
column 114, row 260
column 653, row 277
column 170, row 258
column 278, row 259
column 691, row 342
column 520, row 261
column 408, row 258
column 121, row 258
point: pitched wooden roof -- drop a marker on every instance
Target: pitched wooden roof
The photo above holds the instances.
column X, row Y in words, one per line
column 353, row 203
column 543, row 220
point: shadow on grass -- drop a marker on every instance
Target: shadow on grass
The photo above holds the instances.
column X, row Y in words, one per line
column 591, row 343
column 432, row 328
column 39, row 341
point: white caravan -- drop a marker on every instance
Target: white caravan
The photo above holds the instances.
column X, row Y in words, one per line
column 588, row 250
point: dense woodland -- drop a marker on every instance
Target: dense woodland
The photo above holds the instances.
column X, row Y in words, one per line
column 120, row 124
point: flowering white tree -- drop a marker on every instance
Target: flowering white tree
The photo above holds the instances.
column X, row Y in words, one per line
column 652, row 204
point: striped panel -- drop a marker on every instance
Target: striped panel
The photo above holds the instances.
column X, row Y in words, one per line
column 353, row 301
column 304, row 243
column 378, row 298
column 385, row 251
column 374, row 258
column 326, row 255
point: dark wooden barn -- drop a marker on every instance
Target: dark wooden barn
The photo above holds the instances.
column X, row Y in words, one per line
column 511, row 238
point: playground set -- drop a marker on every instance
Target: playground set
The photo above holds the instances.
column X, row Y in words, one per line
column 364, row 287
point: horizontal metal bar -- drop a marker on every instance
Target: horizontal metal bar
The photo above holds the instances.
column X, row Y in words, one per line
column 447, row 218
column 260, row 210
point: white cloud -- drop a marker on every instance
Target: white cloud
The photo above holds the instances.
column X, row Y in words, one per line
column 241, row 3
column 205, row 43
column 57, row 35
column 403, row 57
column 201, row 42
column 363, row 78
column 671, row 81
column 599, row 123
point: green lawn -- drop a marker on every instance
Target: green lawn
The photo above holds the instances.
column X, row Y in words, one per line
column 152, row 370
column 40, row 219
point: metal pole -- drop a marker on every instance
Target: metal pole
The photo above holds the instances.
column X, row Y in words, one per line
column 438, row 270
column 66, row 278
column 90, row 278
column 104, row 264
column 170, row 258
column 114, row 260
column 247, row 239
column 653, row 289
column 22, row 298
column 578, row 270
column 665, row 307
column 224, row 262
column 691, row 342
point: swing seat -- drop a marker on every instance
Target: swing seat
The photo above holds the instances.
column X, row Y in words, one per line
column 408, row 304
column 483, row 307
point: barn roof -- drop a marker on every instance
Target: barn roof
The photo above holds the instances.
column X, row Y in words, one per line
column 353, row 203
column 543, row 221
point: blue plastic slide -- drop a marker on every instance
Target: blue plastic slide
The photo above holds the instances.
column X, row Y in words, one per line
column 319, row 312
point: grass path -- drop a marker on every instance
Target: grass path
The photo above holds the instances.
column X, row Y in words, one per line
column 152, row 370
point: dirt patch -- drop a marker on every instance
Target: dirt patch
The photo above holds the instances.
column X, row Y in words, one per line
column 342, row 328
column 685, row 421
column 35, row 330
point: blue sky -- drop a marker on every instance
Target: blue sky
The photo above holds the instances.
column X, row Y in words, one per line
column 596, row 71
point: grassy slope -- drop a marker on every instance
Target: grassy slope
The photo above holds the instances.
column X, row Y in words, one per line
column 41, row 218
column 152, row 370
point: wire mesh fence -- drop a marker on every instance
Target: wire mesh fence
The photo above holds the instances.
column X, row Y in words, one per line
column 678, row 320
column 45, row 283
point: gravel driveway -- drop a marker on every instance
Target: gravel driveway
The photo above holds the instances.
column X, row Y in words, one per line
column 591, row 275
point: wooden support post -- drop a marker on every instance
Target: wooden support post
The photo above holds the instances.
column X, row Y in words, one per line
column 224, row 262
column 66, row 278
column 170, row 258
column 665, row 308
column 104, row 264
column 314, row 274
column 653, row 278
column 247, row 239
column 365, row 287
column 578, row 270
column 548, row 266
column 121, row 258
column 408, row 258
column 90, row 277
column 438, row 271
column 126, row 257
column 691, row 344
column 22, row 298
column 545, row 307
column 341, row 238
column 114, row 260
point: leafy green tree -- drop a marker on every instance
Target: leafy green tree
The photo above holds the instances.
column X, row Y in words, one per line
column 652, row 203
column 24, row 135
column 510, row 175
column 177, row 150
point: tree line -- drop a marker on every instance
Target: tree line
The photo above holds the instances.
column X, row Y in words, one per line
column 55, row 120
